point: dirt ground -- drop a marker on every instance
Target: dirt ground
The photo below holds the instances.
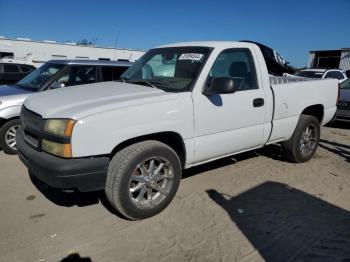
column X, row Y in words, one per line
column 250, row 207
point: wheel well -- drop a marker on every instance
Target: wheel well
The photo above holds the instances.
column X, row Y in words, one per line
column 3, row 121
column 172, row 139
column 316, row 111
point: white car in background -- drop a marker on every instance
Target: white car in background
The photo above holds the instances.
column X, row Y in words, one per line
column 322, row 74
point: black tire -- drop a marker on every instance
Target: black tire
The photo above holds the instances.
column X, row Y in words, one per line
column 292, row 148
column 3, row 133
column 125, row 165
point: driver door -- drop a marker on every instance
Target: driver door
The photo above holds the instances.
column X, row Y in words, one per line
column 230, row 123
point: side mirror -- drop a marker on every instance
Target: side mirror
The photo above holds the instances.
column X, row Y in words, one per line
column 56, row 85
column 220, row 85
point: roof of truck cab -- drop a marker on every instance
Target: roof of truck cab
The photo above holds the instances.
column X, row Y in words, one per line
column 90, row 62
column 209, row 44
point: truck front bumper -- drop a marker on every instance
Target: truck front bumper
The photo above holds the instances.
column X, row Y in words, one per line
column 84, row 174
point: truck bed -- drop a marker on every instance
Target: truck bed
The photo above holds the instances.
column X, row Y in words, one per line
column 293, row 95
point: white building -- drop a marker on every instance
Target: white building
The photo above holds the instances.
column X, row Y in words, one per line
column 42, row 51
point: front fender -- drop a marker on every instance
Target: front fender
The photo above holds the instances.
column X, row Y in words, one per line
column 100, row 134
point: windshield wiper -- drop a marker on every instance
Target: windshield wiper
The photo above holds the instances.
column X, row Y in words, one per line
column 144, row 82
column 123, row 79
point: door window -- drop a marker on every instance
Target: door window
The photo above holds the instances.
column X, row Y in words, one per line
column 80, row 75
column 237, row 64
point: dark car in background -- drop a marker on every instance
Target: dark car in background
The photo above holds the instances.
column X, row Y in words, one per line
column 343, row 105
column 53, row 74
column 276, row 65
column 11, row 72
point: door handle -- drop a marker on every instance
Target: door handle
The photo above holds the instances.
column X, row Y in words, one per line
column 258, row 102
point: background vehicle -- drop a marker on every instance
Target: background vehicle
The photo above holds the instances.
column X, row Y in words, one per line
column 276, row 65
column 53, row 74
column 133, row 139
column 343, row 111
column 322, row 74
column 11, row 72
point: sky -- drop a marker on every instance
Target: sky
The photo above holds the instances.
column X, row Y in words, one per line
column 292, row 27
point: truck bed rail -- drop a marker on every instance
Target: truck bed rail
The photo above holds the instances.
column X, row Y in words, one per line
column 278, row 80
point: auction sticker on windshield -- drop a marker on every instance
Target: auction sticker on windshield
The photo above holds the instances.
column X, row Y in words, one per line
column 191, row 56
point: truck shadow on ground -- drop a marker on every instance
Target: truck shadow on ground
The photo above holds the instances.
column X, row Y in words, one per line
column 336, row 148
column 339, row 124
column 286, row 224
column 73, row 197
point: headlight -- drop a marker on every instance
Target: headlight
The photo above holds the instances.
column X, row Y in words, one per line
column 62, row 128
column 62, row 150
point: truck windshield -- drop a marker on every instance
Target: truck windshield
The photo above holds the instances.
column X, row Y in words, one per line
column 36, row 79
column 172, row 69
column 311, row 74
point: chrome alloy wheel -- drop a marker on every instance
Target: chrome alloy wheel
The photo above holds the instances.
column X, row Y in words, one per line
column 151, row 182
column 10, row 137
column 308, row 139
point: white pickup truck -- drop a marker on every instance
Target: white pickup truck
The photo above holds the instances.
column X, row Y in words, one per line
column 178, row 106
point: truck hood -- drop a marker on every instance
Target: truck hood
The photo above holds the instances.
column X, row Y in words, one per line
column 77, row 102
column 344, row 95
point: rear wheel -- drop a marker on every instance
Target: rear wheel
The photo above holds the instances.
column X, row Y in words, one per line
column 143, row 179
column 8, row 136
column 303, row 144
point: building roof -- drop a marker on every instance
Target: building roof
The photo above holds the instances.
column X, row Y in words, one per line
column 90, row 62
column 331, row 50
column 52, row 42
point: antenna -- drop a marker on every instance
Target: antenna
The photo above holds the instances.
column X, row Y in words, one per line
column 116, row 44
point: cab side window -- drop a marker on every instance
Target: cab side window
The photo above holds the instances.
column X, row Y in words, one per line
column 237, row 64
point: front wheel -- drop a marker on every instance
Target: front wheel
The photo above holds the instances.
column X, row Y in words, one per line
column 303, row 144
column 142, row 179
column 8, row 136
